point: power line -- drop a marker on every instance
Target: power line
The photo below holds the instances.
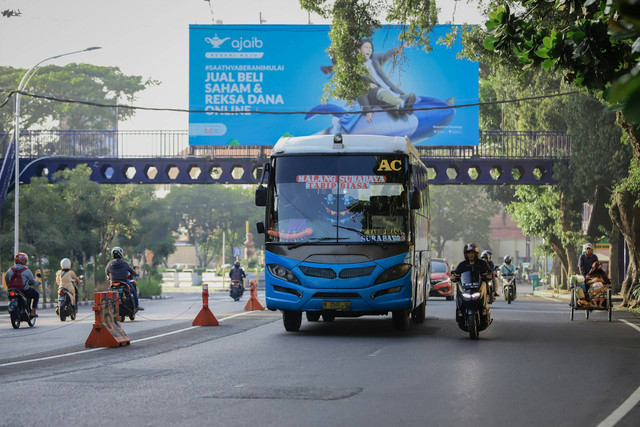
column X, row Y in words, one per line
column 183, row 110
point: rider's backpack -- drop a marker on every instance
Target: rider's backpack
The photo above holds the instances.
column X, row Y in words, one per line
column 15, row 282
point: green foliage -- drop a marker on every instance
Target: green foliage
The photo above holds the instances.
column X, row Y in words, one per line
column 75, row 81
column 631, row 183
column 204, row 213
column 460, row 212
column 79, row 219
column 150, row 286
column 595, row 43
column 354, row 20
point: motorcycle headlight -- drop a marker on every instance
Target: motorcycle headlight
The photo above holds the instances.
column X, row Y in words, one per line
column 282, row 273
column 393, row 273
column 470, row 297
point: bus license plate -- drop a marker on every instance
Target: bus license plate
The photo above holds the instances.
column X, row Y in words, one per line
column 336, row 305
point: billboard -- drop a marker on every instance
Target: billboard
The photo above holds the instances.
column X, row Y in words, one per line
column 239, row 72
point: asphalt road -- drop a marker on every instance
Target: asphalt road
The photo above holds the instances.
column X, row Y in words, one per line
column 532, row 367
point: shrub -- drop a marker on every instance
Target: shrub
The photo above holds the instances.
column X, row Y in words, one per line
column 149, row 286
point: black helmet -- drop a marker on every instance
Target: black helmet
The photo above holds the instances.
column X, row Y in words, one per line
column 507, row 259
column 470, row 247
column 116, row 252
column 237, row 263
column 485, row 254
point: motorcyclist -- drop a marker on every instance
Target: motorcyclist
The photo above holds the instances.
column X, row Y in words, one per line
column 27, row 282
column 118, row 270
column 477, row 267
column 237, row 274
column 66, row 278
column 509, row 269
column 486, row 255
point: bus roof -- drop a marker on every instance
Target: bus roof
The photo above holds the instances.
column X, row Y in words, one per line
column 324, row 144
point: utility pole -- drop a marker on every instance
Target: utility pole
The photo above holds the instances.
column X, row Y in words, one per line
column 223, row 236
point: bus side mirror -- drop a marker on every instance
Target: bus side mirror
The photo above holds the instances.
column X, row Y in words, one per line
column 261, row 196
column 416, row 199
column 260, row 227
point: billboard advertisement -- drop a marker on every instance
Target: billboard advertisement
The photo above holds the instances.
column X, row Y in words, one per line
column 252, row 84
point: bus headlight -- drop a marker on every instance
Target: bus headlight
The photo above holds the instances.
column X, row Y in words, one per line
column 282, row 273
column 393, row 273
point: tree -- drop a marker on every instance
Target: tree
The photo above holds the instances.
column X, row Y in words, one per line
column 203, row 214
column 42, row 221
column 90, row 83
column 599, row 160
column 596, row 45
column 354, row 20
column 154, row 233
column 461, row 212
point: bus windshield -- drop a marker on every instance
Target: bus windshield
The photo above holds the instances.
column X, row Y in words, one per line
column 330, row 198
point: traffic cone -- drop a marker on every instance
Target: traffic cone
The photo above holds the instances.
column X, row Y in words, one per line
column 205, row 317
column 253, row 303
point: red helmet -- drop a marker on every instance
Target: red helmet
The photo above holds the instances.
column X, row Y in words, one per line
column 22, row 258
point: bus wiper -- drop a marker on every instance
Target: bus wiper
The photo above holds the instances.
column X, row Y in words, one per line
column 360, row 233
column 315, row 239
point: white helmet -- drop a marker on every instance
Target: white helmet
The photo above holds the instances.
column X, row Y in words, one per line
column 65, row 264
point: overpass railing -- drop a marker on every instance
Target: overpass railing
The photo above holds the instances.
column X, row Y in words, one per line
column 175, row 143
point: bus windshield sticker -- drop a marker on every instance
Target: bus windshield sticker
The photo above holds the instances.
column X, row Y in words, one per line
column 359, row 182
column 318, row 182
column 381, row 238
column 382, row 235
column 389, row 166
column 347, row 182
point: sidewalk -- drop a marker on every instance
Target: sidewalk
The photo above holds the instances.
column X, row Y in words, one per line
column 564, row 294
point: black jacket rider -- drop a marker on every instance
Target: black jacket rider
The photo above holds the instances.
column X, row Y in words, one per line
column 477, row 269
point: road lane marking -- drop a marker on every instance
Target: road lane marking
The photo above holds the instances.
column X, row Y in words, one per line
column 40, row 359
column 630, row 324
column 622, row 410
column 628, row 404
column 378, row 351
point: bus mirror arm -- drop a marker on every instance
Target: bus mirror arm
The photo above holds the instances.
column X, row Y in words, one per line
column 416, row 199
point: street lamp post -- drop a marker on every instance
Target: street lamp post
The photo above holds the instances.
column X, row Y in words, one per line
column 16, row 137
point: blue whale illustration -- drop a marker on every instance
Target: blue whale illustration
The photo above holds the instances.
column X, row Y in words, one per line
column 418, row 125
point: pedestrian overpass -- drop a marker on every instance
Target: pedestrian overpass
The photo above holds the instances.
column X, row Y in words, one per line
column 165, row 157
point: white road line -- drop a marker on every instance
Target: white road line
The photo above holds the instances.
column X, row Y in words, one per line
column 40, row 359
column 622, row 410
column 378, row 351
column 628, row 404
column 630, row 324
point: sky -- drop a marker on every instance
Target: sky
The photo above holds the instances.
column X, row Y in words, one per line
column 148, row 38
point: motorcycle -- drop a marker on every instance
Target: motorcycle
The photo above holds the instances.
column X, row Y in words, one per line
column 66, row 307
column 19, row 309
column 236, row 290
column 509, row 286
column 127, row 304
column 472, row 313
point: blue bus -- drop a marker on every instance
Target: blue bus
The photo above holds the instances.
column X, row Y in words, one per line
column 346, row 229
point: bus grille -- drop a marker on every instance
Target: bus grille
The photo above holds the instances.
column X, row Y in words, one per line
column 336, row 295
column 349, row 273
column 325, row 273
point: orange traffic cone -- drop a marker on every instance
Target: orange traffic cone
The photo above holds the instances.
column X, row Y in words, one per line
column 253, row 303
column 205, row 317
